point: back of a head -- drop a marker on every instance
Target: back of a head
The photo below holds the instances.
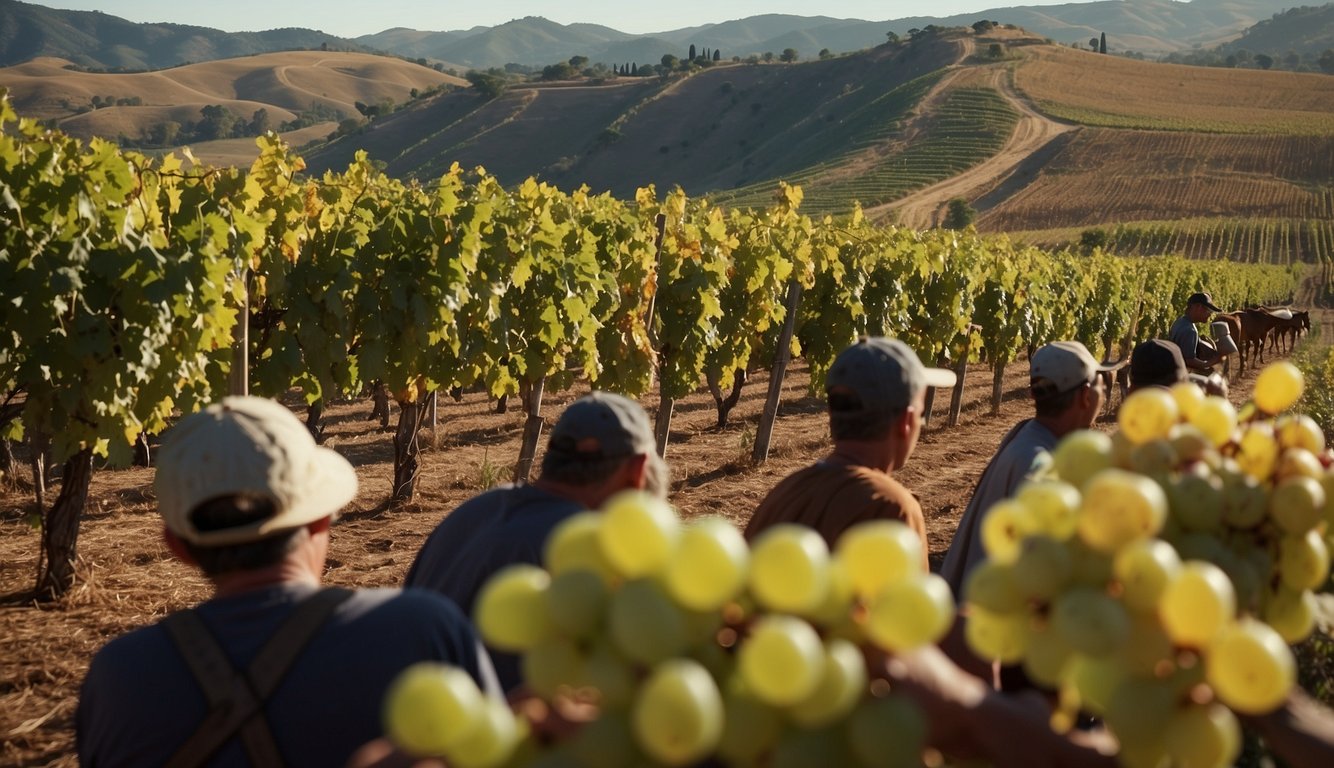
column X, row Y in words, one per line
column 1057, row 372
column 243, row 472
column 595, row 435
column 872, row 382
column 1156, row 363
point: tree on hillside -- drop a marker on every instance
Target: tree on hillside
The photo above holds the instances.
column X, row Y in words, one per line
column 1102, row 43
column 825, row 54
column 692, row 52
column 789, row 55
column 995, row 51
column 983, row 26
column 489, row 84
column 1326, row 61
column 959, row 214
column 578, row 62
column 716, row 56
column 1264, row 60
column 768, row 56
column 1093, row 44
column 892, row 36
column 218, row 123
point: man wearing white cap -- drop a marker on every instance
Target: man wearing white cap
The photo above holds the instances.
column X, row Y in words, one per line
column 272, row 670
column 876, row 391
column 1068, row 391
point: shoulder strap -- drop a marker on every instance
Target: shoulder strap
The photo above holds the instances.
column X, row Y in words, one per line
column 234, row 699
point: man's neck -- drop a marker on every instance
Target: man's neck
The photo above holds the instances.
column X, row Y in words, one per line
column 590, row 496
column 876, row 455
column 1060, row 426
column 240, row 582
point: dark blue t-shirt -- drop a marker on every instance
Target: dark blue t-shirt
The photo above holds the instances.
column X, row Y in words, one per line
column 140, row 702
column 506, row 525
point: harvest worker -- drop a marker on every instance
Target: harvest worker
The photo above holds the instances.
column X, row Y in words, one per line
column 876, row 391
column 1199, row 356
column 1158, row 363
column 272, row 670
column 601, row 444
column 1067, row 387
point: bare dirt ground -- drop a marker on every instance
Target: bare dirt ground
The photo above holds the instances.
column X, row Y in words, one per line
column 127, row 578
column 925, row 208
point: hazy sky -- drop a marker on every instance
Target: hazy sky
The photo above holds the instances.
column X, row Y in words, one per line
column 350, row 18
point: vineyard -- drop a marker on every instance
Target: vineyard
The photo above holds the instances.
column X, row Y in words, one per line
column 1171, row 97
column 125, row 277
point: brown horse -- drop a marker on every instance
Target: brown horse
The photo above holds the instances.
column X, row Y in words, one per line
column 1256, row 323
column 1287, row 331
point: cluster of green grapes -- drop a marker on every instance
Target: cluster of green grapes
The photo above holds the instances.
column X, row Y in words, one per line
column 685, row 644
column 1154, row 577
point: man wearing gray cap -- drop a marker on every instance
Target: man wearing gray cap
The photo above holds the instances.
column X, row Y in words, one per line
column 876, row 390
column 272, row 670
column 1198, row 356
column 1068, row 391
column 602, row 444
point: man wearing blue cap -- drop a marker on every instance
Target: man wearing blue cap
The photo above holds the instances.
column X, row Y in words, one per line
column 601, row 445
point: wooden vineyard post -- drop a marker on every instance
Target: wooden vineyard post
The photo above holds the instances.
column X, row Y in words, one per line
column 997, row 385
column 532, row 430
column 239, row 378
column 435, row 407
column 961, row 371
column 662, row 425
column 764, row 434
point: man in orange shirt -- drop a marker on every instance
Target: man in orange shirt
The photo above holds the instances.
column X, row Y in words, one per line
column 876, row 391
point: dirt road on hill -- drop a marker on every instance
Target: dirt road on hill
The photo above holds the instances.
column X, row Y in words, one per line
column 1033, row 134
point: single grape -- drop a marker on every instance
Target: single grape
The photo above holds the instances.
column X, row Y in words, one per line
column 999, row 637
column 1138, row 710
column 1250, row 667
column 678, row 713
column 490, row 744
column 1120, row 507
column 575, row 545
column 1080, row 455
column 887, row 732
column 1291, row 614
column 1144, row 569
column 1043, row 569
column 1303, row 561
column 750, row 727
column 1297, row 504
column 789, row 568
column 1196, row 501
column 781, row 660
column 991, row 586
column 576, row 601
column 1188, row 398
column 429, row 707
column 1278, row 387
column 1148, row 414
column 639, row 533
column 645, row 624
column 709, row 568
column 551, row 666
column 1300, row 431
column 1054, row 506
column 876, row 553
column 1004, row 526
column 910, row 613
column 605, row 742
column 511, row 609
column 842, row 684
column 1089, row 621
column 1205, row 735
column 1216, row 418
column 1258, row 456
column 1197, row 604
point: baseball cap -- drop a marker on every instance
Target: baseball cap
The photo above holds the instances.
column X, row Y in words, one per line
column 1060, row 367
column 1203, row 298
column 884, row 374
column 601, row 425
column 1157, row 362
column 253, row 446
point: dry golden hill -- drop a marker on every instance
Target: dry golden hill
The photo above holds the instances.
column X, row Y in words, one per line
column 285, row 84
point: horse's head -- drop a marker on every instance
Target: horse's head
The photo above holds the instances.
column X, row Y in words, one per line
column 1304, row 318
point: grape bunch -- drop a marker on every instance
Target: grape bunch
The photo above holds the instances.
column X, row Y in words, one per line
column 1155, row 577
column 679, row 643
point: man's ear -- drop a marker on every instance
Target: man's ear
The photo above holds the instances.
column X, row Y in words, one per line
column 634, row 472
column 907, row 421
column 177, row 546
column 321, row 525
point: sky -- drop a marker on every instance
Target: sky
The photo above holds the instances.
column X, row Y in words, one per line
column 351, row 18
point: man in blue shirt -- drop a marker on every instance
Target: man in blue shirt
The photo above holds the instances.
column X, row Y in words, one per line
column 602, row 444
column 272, row 670
column 1199, row 357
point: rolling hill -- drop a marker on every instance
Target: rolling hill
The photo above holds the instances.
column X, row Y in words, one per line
column 285, row 85
column 1038, row 138
column 101, row 41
